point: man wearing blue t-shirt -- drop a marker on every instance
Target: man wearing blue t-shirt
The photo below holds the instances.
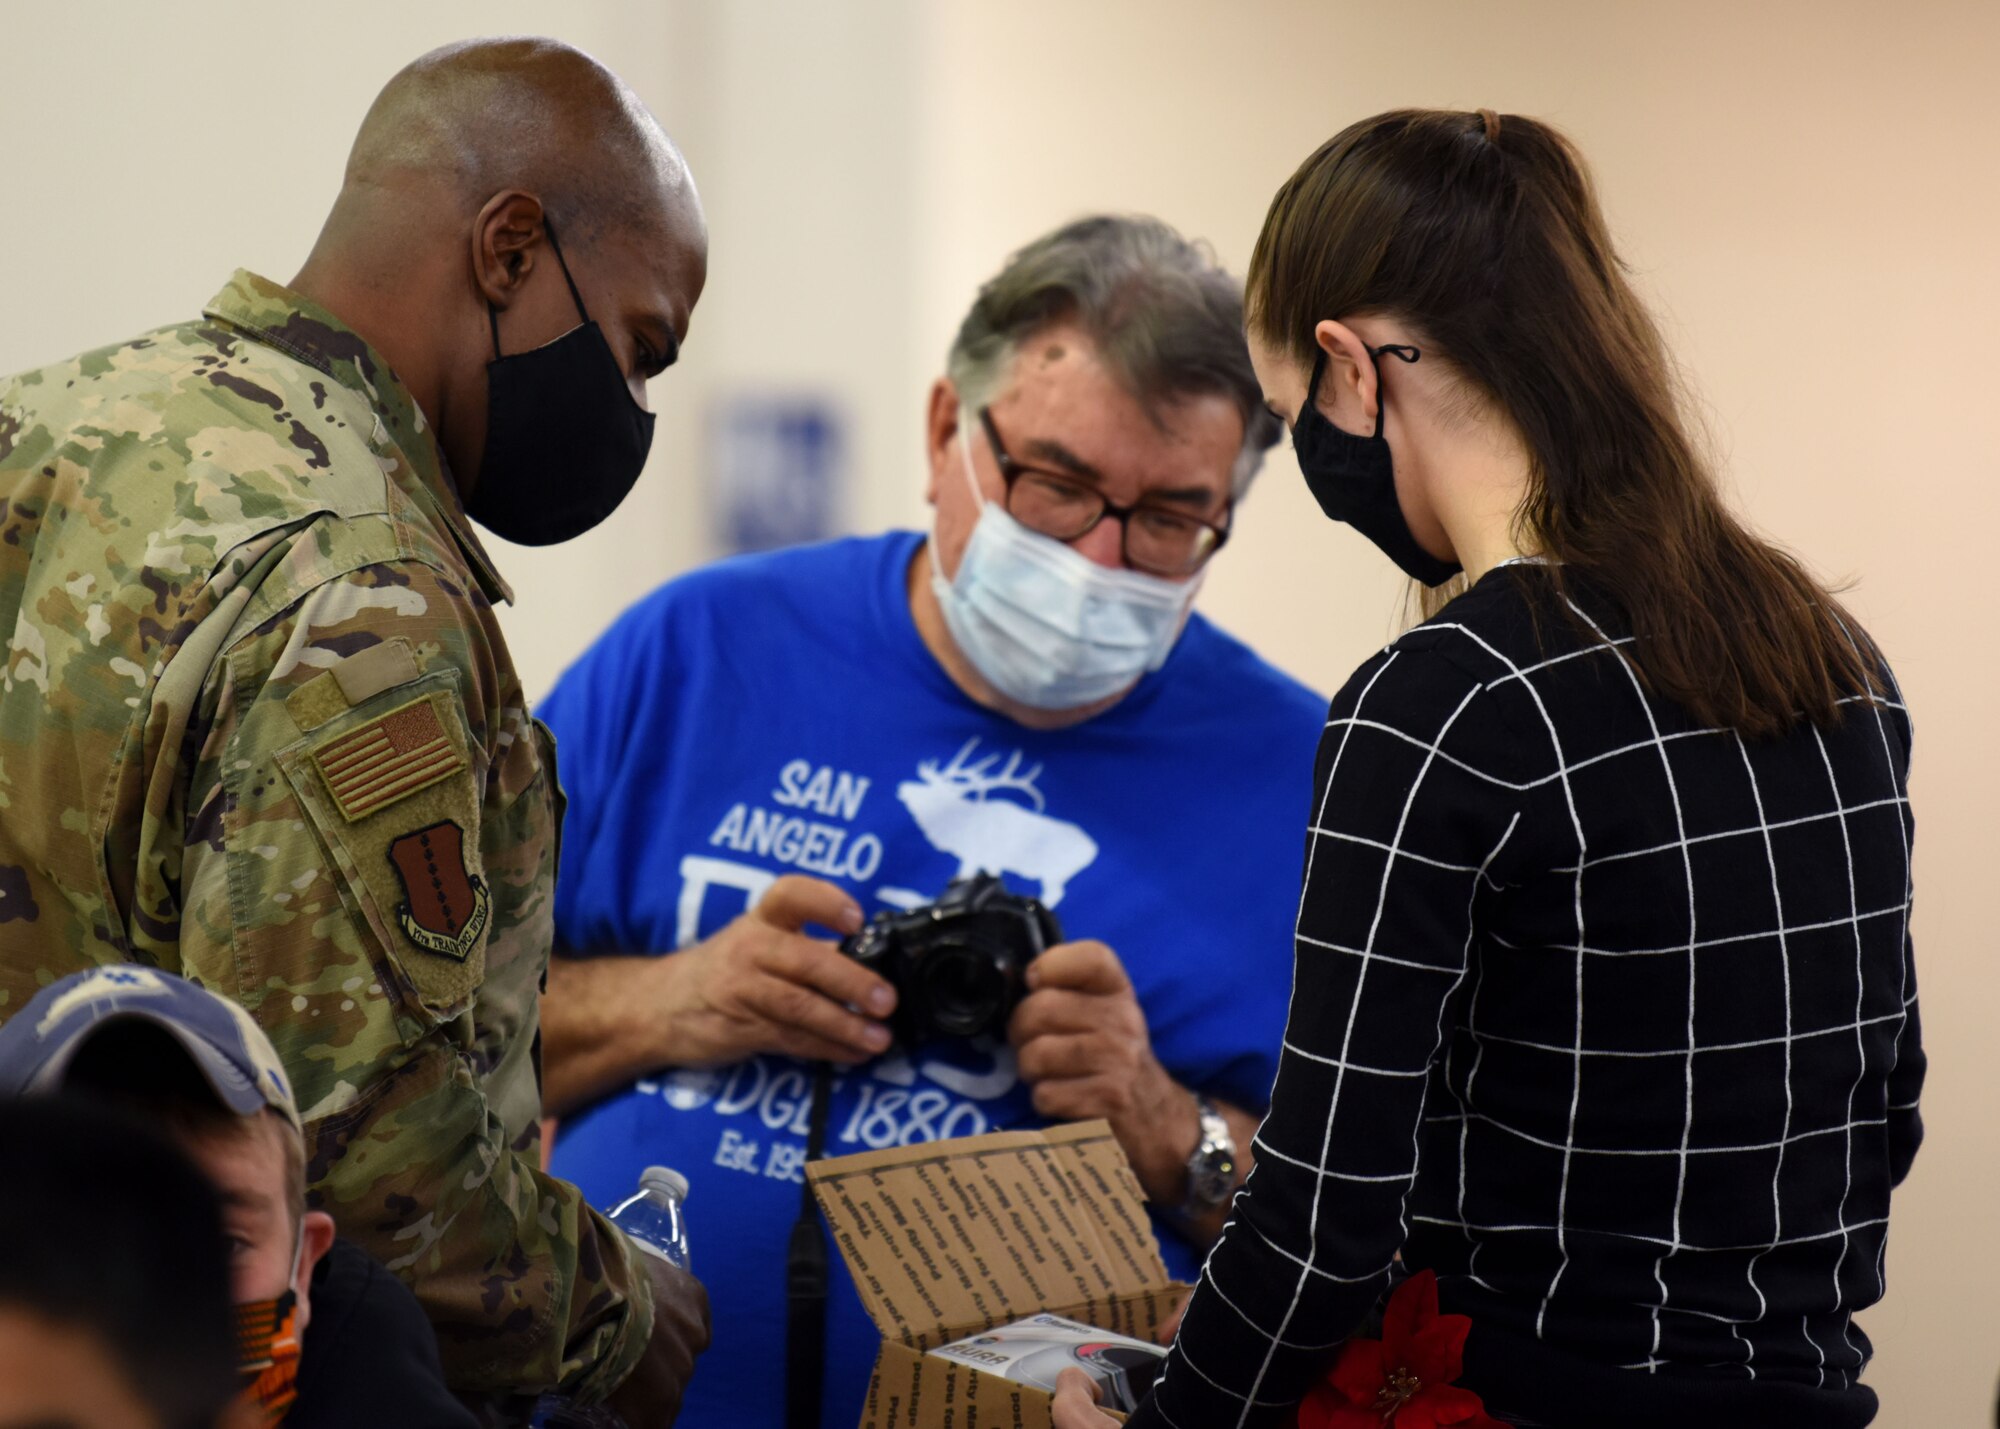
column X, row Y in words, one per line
column 765, row 752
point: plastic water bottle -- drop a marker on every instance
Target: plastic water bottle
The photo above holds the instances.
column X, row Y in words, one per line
column 653, row 1217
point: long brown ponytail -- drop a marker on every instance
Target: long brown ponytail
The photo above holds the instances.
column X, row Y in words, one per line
column 1481, row 232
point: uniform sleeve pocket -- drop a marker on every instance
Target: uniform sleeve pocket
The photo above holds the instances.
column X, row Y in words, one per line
column 545, row 746
column 391, row 789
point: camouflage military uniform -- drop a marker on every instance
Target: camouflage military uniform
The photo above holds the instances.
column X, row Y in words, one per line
column 258, row 726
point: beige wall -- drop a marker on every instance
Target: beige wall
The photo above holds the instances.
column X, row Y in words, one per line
column 1808, row 191
column 190, row 142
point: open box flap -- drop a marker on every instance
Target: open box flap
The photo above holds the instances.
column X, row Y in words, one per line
column 950, row 1238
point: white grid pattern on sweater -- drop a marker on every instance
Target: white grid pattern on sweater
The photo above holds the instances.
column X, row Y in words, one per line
column 1343, row 1065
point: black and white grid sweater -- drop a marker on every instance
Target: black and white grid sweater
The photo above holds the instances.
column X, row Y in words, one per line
column 1608, row 1018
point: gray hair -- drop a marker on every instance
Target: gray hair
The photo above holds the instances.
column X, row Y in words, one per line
column 1165, row 316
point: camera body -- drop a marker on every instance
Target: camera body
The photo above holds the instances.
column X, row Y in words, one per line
column 957, row 964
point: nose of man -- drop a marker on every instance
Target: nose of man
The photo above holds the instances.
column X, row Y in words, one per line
column 1103, row 543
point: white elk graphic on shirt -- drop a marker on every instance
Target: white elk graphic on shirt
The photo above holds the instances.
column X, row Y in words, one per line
column 954, row 808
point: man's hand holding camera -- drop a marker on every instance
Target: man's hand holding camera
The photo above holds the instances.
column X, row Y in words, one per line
column 759, row 985
column 762, row 985
column 1080, row 1036
column 1082, row 1044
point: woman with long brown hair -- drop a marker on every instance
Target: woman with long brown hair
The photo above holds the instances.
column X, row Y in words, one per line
column 1603, row 1008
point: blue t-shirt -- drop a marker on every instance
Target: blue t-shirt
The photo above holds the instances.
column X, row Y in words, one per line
column 780, row 713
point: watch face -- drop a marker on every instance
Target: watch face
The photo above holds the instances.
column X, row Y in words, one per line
column 1212, row 1169
column 1212, row 1186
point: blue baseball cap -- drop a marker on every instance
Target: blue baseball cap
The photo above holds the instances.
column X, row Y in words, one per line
column 38, row 1043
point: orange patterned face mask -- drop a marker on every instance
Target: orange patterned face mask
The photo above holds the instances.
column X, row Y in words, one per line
column 267, row 1353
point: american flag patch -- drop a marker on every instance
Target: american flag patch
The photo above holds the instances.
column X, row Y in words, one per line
column 387, row 759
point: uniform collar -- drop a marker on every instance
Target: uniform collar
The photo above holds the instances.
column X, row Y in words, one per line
column 275, row 315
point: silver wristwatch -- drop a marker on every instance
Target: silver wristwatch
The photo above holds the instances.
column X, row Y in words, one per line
column 1211, row 1167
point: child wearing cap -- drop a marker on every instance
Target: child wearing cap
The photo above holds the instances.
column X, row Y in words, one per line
column 326, row 1336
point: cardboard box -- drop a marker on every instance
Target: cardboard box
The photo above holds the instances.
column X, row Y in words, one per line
column 951, row 1238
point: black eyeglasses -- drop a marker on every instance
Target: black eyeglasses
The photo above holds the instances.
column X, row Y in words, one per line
column 1156, row 539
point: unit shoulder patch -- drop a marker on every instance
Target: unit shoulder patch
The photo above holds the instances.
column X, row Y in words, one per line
column 374, row 765
column 391, row 791
column 444, row 907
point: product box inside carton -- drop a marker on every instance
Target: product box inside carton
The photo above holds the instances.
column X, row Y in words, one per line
column 952, row 1238
column 1039, row 1349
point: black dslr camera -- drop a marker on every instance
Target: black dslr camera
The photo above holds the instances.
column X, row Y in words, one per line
column 956, row 964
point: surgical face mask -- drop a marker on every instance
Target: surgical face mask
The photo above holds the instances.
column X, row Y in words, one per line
column 1046, row 626
column 268, row 1346
column 1354, row 478
column 564, row 439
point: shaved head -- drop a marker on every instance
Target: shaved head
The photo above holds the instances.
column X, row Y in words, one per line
column 501, row 193
column 482, row 116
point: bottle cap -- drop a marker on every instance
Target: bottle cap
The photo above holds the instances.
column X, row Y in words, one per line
column 665, row 1180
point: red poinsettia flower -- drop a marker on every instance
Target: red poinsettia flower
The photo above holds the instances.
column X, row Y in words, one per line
column 1403, row 1380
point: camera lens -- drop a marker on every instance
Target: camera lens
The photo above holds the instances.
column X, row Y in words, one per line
column 964, row 989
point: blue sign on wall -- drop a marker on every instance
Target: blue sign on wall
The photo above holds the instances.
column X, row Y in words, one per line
column 776, row 470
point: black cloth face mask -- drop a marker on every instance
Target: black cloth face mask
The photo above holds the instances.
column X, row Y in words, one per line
column 564, row 439
column 1354, row 478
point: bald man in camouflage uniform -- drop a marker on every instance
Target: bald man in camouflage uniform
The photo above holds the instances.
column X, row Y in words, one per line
column 259, row 725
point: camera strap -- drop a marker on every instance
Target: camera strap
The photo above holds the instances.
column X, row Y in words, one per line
column 806, row 1279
